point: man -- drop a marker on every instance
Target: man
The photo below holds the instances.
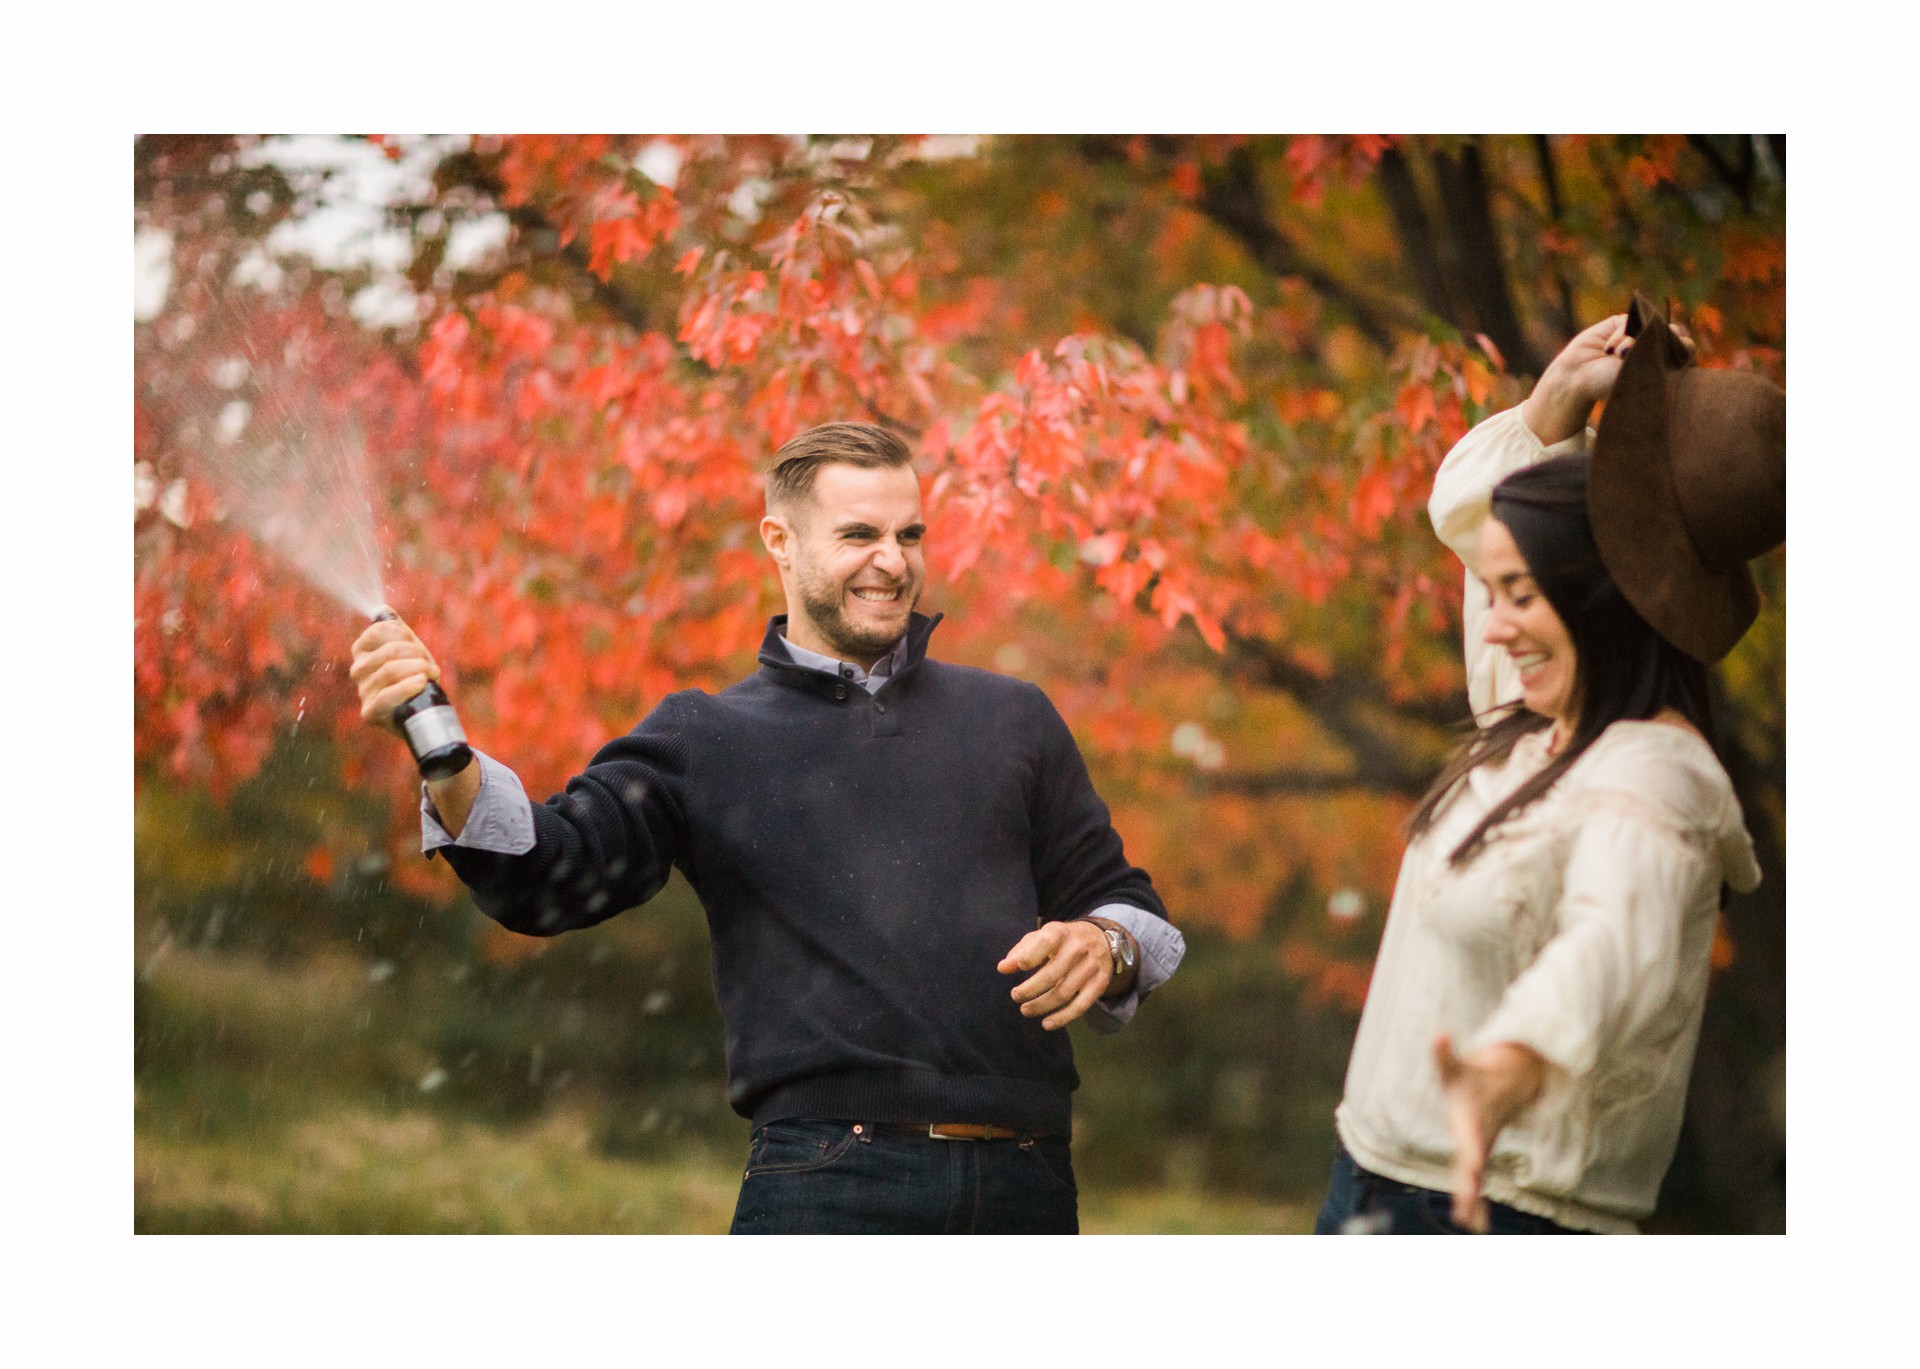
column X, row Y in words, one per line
column 881, row 843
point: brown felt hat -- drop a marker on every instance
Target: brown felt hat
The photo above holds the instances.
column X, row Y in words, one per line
column 1689, row 483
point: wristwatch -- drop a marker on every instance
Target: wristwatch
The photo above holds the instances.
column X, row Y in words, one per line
column 1120, row 946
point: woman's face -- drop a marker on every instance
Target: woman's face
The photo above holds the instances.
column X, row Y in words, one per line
column 1523, row 624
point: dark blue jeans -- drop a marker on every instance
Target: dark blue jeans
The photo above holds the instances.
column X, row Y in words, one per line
column 1362, row 1202
column 838, row 1178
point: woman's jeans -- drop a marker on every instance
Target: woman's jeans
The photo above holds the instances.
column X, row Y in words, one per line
column 1360, row 1202
column 857, row 1177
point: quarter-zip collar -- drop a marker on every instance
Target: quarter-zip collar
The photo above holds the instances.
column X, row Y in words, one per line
column 782, row 669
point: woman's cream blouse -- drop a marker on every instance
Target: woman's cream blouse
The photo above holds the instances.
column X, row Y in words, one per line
column 1582, row 929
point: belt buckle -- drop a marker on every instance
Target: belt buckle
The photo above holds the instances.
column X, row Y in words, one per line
column 985, row 1131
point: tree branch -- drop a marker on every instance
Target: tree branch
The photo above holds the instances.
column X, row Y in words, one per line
column 1550, row 179
column 469, row 169
column 1415, row 233
column 1483, row 272
column 1264, row 663
column 1738, row 179
column 528, row 219
column 1231, row 196
column 1286, row 783
column 1338, row 703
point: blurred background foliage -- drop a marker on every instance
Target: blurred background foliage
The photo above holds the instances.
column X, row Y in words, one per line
column 1255, row 641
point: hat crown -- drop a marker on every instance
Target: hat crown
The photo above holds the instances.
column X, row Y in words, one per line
column 1689, row 483
column 1728, row 445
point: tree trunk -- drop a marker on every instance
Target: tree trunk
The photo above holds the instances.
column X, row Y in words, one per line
column 1415, row 232
column 1729, row 1173
column 1481, row 271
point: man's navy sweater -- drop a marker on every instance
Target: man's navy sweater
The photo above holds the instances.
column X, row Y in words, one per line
column 864, row 862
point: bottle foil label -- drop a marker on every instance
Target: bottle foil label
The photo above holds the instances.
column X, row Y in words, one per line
column 432, row 728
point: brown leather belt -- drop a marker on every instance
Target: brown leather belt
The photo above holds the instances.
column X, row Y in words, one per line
column 957, row 1131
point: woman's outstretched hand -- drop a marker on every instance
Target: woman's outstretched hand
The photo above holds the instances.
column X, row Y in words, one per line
column 1485, row 1091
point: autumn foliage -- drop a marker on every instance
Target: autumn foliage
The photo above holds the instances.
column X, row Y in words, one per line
column 1177, row 404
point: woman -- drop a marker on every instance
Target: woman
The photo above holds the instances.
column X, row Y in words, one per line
column 1522, row 1061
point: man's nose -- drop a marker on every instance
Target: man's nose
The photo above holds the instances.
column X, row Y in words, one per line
column 889, row 558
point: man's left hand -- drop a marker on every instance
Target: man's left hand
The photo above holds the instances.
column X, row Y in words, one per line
column 1071, row 970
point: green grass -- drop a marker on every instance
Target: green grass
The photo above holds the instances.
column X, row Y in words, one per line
column 358, row 1171
column 349, row 1170
column 1172, row 1213
column 291, row 1097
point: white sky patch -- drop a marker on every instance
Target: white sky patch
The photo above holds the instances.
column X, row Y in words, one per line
column 1344, row 905
column 1190, row 739
column 259, row 269
column 347, row 224
column 350, row 185
column 152, row 271
column 846, row 149
column 173, row 505
column 233, row 419
column 386, row 304
column 471, row 241
column 747, row 198
column 940, row 146
column 659, row 163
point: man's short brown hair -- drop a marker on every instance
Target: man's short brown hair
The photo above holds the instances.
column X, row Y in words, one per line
column 797, row 463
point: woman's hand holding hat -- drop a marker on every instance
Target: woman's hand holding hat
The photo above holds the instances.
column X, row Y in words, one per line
column 1578, row 378
column 1581, row 376
column 1689, row 484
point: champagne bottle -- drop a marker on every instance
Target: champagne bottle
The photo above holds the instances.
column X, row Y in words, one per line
column 432, row 728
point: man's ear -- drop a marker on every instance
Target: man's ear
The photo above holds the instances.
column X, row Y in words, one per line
column 777, row 534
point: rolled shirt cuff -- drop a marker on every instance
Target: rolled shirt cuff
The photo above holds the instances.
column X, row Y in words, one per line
column 1161, row 947
column 501, row 820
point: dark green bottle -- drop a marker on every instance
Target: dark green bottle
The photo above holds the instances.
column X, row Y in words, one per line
column 432, row 728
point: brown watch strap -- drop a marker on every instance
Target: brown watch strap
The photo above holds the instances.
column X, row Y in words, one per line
column 1122, row 946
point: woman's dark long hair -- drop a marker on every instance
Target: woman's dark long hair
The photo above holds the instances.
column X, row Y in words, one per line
column 1623, row 669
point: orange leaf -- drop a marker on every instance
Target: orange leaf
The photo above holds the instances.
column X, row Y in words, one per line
column 1721, row 956
column 318, row 865
column 1415, row 406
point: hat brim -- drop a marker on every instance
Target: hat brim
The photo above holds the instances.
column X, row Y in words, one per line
column 1635, row 511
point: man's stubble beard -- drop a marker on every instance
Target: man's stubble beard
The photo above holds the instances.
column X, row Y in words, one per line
column 824, row 603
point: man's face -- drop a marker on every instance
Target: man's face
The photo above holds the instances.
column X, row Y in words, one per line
column 851, row 560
